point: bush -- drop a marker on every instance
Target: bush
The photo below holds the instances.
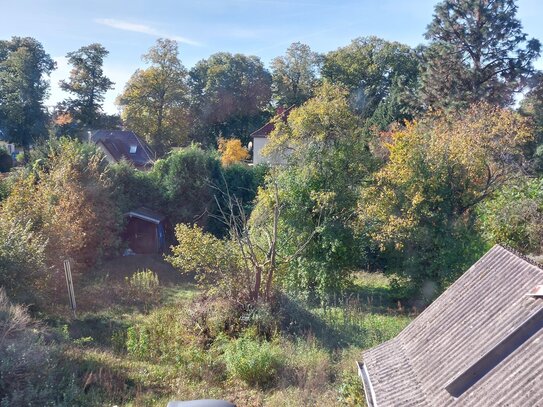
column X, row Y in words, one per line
column 143, row 286
column 514, row 216
column 30, row 367
column 22, row 268
column 66, row 198
column 6, row 161
column 253, row 361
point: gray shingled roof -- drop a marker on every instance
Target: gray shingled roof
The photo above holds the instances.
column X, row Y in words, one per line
column 479, row 344
column 119, row 142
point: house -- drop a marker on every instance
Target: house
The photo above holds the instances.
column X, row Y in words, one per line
column 145, row 231
column 479, row 344
column 120, row 144
column 260, row 139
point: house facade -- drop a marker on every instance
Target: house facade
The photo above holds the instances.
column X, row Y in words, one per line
column 479, row 344
column 260, row 140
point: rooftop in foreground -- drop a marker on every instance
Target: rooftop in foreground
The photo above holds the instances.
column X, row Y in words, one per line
column 479, row 344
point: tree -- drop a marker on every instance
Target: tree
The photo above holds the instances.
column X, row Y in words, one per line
column 419, row 211
column 532, row 106
column 66, row 199
column 23, row 87
column 478, row 52
column 154, row 101
column 328, row 160
column 514, row 216
column 380, row 75
column 232, row 151
column 87, row 83
column 294, row 75
column 228, row 94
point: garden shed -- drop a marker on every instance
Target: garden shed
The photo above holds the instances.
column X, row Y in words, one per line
column 145, row 231
column 479, row 344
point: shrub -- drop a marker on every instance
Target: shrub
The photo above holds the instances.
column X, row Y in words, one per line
column 143, row 286
column 253, row 361
column 217, row 262
column 22, row 268
column 514, row 216
column 6, row 161
column 66, row 198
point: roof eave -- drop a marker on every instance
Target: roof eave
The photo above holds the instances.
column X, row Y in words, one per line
column 368, row 387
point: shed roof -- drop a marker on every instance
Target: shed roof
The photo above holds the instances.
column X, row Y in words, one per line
column 124, row 144
column 480, row 343
column 146, row 214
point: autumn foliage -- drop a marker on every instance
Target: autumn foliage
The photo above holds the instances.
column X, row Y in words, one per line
column 232, row 151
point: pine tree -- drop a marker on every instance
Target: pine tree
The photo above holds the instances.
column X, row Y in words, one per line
column 478, row 52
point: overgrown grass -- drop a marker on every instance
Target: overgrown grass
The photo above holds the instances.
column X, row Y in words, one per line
column 184, row 346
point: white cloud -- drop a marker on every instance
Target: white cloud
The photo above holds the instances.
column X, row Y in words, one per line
column 143, row 29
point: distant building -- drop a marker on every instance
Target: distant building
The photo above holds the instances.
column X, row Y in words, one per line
column 479, row 344
column 260, row 139
column 145, row 231
column 118, row 145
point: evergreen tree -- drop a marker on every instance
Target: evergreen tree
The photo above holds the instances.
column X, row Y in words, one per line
column 478, row 52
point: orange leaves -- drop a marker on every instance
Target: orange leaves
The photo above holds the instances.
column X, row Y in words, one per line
column 232, row 151
column 63, row 119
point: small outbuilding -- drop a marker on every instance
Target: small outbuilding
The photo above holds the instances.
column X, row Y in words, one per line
column 479, row 344
column 145, row 231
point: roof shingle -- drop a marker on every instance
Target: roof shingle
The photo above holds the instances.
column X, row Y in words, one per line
column 478, row 312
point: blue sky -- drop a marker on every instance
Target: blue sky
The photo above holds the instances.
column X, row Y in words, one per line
column 257, row 27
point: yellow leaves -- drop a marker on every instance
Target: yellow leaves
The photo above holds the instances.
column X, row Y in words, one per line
column 439, row 167
column 232, row 151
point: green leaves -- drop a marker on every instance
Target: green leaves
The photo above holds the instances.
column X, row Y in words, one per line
column 23, row 67
column 478, row 52
column 87, row 83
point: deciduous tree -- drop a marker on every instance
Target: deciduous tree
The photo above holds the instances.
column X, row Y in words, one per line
column 228, row 94
column 232, row 151
column 154, row 101
column 294, row 75
column 420, row 209
column 380, row 75
column 24, row 66
column 87, row 83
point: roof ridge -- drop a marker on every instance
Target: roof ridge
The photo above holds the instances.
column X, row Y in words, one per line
column 524, row 257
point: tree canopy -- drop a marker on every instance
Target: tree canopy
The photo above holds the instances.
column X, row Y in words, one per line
column 228, row 94
column 381, row 76
column 294, row 75
column 154, row 100
column 87, row 83
column 477, row 52
column 24, row 67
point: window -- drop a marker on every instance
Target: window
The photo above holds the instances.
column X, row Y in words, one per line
column 133, row 148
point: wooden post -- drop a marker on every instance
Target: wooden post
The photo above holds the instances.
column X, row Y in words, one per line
column 70, row 285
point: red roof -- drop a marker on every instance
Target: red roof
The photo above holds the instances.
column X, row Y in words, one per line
column 265, row 130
